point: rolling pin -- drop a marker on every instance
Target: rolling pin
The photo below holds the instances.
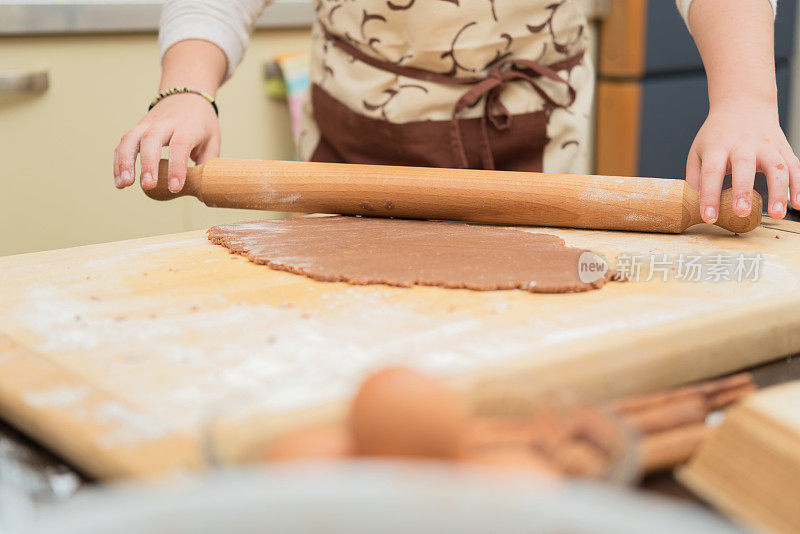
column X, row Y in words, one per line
column 497, row 197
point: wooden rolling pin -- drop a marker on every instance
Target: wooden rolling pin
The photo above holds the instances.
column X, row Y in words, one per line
column 499, row 197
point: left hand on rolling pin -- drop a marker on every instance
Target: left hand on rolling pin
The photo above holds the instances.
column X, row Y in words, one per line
column 742, row 138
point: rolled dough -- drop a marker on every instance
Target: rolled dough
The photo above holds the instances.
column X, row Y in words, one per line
column 398, row 252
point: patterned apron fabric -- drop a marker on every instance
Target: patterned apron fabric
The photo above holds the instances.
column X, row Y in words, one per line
column 453, row 83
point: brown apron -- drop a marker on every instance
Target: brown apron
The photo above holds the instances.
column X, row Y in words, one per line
column 496, row 139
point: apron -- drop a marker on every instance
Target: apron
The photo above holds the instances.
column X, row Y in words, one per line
column 491, row 84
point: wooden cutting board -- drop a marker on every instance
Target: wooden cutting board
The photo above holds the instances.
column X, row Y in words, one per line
column 143, row 356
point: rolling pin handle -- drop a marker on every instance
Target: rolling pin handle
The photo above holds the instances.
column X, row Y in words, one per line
column 190, row 188
column 732, row 222
column 727, row 219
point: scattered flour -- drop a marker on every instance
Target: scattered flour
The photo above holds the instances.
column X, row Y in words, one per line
column 60, row 396
column 175, row 371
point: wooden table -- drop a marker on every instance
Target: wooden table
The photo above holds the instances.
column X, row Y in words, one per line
column 163, row 353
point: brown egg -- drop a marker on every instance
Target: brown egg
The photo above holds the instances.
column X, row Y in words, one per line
column 319, row 443
column 513, row 458
column 399, row 412
column 499, row 431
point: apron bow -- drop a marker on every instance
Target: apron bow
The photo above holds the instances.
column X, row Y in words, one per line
column 494, row 111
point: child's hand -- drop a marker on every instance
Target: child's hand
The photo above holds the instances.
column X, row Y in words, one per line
column 742, row 134
column 741, row 138
column 184, row 122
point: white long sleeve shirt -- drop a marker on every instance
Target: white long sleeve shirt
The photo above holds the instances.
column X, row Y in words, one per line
column 229, row 23
column 684, row 5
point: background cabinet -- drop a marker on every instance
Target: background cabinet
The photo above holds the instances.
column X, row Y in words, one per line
column 56, row 148
column 652, row 95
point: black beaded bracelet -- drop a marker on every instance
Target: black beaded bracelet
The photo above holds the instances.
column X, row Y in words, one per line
column 177, row 90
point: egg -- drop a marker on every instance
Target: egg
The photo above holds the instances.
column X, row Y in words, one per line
column 513, row 458
column 499, row 431
column 400, row 412
column 318, row 443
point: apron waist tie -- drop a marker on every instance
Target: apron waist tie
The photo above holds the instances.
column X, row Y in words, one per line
column 490, row 86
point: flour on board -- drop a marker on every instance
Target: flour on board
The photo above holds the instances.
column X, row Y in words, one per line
column 178, row 370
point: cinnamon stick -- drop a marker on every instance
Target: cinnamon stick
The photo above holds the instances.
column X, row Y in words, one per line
column 723, row 399
column 632, row 405
column 730, row 382
column 661, row 417
column 707, row 389
column 665, row 450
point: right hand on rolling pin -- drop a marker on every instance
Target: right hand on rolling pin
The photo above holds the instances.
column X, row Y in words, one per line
column 184, row 122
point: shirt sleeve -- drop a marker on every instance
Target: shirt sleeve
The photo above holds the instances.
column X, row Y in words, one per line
column 684, row 5
column 226, row 23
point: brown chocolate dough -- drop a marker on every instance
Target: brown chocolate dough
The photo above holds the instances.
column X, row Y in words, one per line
column 398, row 252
